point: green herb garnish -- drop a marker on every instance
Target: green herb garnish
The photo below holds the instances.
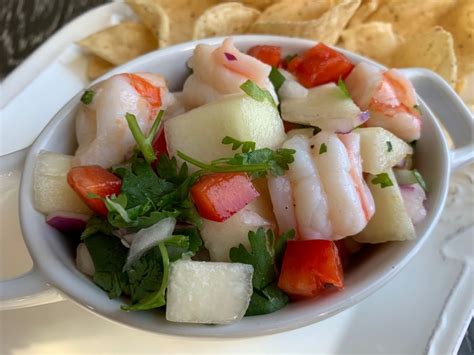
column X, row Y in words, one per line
column 383, row 179
column 389, row 146
column 289, row 58
column 323, row 149
column 420, row 180
column 257, row 163
column 247, row 146
column 256, row 93
column 342, row 86
column 276, row 78
column 265, row 256
column 87, row 97
column 417, row 108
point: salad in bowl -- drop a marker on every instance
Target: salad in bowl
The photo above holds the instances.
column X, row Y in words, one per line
column 261, row 183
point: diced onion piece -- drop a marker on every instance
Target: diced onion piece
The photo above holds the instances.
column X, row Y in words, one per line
column 208, row 292
column 84, row 260
column 291, row 89
column 67, row 222
column 147, row 238
column 413, row 198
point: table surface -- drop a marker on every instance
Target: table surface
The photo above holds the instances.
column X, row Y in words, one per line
column 27, row 24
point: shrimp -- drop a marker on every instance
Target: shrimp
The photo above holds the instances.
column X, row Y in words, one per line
column 102, row 132
column 221, row 71
column 323, row 195
column 389, row 97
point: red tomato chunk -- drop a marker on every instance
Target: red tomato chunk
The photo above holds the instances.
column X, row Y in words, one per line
column 219, row 196
column 160, row 146
column 308, row 266
column 96, row 180
column 270, row 55
column 320, row 65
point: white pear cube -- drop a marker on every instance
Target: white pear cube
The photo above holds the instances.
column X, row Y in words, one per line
column 207, row 292
column 326, row 107
column 380, row 149
column 51, row 190
column 199, row 132
column 391, row 221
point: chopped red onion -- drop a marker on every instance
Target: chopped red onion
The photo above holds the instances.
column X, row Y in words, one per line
column 413, row 197
column 363, row 116
column 67, row 222
column 230, row 56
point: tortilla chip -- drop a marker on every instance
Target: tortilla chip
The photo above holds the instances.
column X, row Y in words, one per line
column 96, row 67
column 183, row 15
column 367, row 8
column 375, row 40
column 121, row 43
column 258, row 4
column 154, row 17
column 296, row 10
column 225, row 19
column 433, row 49
column 460, row 22
column 410, row 17
column 327, row 28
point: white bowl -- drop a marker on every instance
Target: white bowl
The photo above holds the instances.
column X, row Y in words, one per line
column 53, row 255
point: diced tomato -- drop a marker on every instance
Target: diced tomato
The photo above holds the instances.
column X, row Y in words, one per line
column 219, row 196
column 320, row 65
column 96, row 180
column 308, row 266
column 160, row 146
column 148, row 91
column 270, row 55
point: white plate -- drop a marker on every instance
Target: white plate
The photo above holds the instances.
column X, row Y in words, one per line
column 424, row 309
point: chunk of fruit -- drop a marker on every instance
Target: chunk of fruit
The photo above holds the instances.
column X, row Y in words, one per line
column 51, row 190
column 209, row 293
column 270, row 55
column 199, row 132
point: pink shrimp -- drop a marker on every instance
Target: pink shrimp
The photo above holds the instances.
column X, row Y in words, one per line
column 221, row 71
column 389, row 97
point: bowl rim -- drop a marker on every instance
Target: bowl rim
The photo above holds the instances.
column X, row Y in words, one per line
column 52, row 271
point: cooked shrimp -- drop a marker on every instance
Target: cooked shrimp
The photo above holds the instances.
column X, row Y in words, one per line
column 323, row 195
column 221, row 71
column 101, row 129
column 389, row 97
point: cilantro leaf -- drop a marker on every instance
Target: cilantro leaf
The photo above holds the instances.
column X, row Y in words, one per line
column 420, row 180
column 97, row 224
column 276, row 78
column 280, row 246
column 109, row 256
column 383, row 179
column 389, row 146
column 264, row 256
column 256, row 93
column 323, row 149
column 342, row 86
column 247, row 146
column 417, row 108
column 144, row 143
column 87, row 97
column 289, row 58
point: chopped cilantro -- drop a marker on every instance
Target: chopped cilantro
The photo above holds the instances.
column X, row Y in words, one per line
column 144, row 143
column 289, row 58
column 276, row 78
column 87, row 97
column 264, row 256
column 420, row 180
column 323, row 149
column 389, row 146
column 236, row 144
column 256, row 93
column 342, row 86
column 383, row 179
column 417, row 108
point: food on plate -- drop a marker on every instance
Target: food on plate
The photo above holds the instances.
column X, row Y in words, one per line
column 432, row 34
column 251, row 197
column 389, row 97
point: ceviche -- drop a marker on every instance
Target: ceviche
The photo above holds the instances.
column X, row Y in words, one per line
column 253, row 187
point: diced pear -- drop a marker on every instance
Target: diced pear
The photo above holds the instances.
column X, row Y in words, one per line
column 199, row 132
column 208, row 292
column 391, row 221
column 380, row 149
column 51, row 190
column 220, row 237
column 326, row 107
